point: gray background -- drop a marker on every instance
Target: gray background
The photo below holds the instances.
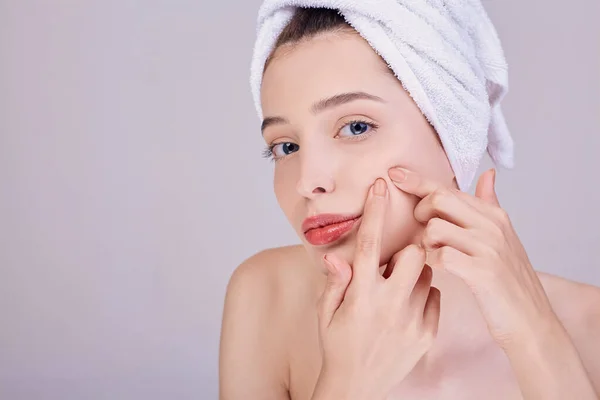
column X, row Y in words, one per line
column 131, row 182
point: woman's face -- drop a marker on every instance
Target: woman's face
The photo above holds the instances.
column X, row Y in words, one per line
column 329, row 153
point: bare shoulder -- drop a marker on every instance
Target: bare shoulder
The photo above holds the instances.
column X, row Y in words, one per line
column 271, row 273
column 578, row 307
column 574, row 302
column 259, row 307
column 264, row 284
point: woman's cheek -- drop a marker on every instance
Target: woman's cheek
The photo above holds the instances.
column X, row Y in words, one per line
column 285, row 193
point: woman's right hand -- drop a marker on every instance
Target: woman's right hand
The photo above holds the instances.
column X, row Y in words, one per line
column 373, row 329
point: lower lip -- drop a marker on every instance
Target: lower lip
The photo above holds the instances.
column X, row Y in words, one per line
column 330, row 233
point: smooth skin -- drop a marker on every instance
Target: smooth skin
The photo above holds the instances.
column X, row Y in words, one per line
column 472, row 238
column 298, row 327
column 366, row 352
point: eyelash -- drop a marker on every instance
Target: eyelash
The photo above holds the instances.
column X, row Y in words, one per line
column 268, row 151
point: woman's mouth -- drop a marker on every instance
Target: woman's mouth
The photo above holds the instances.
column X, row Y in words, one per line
column 328, row 228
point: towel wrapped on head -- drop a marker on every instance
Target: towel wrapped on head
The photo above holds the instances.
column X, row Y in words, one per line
column 447, row 55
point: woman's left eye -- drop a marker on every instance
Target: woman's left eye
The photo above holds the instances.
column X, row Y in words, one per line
column 355, row 128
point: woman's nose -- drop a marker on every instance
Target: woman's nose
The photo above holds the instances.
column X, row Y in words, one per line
column 316, row 176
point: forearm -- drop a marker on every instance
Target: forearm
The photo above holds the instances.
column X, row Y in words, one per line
column 547, row 366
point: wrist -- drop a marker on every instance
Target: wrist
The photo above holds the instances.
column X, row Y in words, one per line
column 333, row 385
column 537, row 337
column 547, row 364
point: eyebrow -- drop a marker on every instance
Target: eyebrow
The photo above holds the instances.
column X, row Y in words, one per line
column 325, row 104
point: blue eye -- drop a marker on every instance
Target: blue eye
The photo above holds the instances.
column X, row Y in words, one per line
column 355, row 128
column 280, row 150
column 277, row 151
column 285, row 148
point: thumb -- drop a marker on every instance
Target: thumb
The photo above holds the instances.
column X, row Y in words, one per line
column 486, row 187
column 338, row 278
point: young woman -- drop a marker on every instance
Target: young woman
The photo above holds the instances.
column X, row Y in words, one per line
column 404, row 287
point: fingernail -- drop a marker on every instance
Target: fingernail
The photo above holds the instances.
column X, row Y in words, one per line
column 380, row 187
column 397, row 174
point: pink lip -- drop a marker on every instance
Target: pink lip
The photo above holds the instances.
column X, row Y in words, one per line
column 328, row 228
column 321, row 220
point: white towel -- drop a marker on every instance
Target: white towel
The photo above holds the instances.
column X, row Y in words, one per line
column 447, row 55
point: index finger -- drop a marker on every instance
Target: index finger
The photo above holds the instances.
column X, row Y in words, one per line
column 370, row 233
column 422, row 187
column 412, row 182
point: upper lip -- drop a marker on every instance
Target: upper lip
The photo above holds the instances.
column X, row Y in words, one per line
column 321, row 220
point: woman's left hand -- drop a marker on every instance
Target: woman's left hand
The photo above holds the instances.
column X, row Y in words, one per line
column 472, row 237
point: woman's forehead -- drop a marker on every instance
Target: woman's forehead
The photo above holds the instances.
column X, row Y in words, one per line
column 322, row 67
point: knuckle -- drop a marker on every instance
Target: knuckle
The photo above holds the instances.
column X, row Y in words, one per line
column 435, row 222
column 492, row 248
column 438, row 197
column 431, row 234
column 367, row 243
column 497, row 230
column 414, row 251
column 502, row 216
column 504, row 340
column 429, row 241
